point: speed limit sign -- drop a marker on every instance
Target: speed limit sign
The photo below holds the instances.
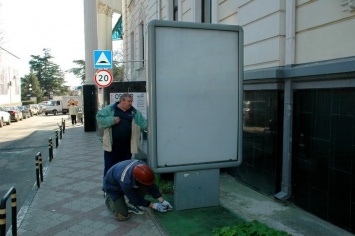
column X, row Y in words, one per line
column 103, row 78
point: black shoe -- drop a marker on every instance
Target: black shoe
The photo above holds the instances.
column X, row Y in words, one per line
column 135, row 209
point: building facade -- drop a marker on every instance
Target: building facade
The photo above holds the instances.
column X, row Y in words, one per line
column 299, row 93
column 10, row 82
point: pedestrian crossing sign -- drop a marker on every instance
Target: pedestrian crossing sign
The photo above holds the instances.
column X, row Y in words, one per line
column 102, row 59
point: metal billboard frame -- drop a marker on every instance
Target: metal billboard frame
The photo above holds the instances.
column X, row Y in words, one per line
column 154, row 158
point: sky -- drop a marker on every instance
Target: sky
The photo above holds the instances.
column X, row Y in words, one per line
column 29, row 26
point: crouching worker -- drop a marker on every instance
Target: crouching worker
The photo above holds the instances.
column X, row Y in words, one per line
column 126, row 183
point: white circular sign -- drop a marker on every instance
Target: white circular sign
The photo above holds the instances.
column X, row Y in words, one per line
column 103, row 78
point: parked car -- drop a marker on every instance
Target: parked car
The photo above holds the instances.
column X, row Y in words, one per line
column 25, row 112
column 33, row 109
column 5, row 117
column 36, row 107
column 15, row 113
column 40, row 108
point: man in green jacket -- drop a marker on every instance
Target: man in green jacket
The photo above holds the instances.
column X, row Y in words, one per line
column 122, row 125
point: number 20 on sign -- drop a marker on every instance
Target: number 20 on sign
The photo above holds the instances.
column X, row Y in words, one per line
column 103, row 78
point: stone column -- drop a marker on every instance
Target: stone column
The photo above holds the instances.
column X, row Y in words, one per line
column 91, row 38
column 104, row 41
column 109, row 29
column 91, row 44
column 102, row 25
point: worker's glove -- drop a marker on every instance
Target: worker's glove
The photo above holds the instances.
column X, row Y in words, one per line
column 159, row 207
column 167, row 205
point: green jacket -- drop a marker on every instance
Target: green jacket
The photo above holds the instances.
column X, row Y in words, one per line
column 106, row 119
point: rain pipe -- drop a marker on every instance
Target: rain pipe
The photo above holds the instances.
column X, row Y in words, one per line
column 286, row 185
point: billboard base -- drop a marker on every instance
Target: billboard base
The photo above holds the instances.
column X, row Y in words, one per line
column 196, row 189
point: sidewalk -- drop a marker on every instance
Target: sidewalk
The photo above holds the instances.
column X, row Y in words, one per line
column 70, row 200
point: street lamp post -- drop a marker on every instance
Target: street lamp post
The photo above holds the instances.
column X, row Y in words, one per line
column 43, row 92
column 29, row 91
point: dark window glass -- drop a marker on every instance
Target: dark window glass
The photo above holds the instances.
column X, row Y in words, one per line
column 175, row 10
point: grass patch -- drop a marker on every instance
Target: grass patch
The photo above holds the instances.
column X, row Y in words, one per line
column 165, row 186
column 215, row 221
column 253, row 228
column 196, row 222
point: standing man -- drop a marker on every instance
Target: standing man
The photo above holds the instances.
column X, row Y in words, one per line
column 126, row 184
column 73, row 112
column 122, row 125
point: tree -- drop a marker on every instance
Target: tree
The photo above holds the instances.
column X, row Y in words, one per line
column 118, row 68
column 79, row 72
column 49, row 74
column 30, row 87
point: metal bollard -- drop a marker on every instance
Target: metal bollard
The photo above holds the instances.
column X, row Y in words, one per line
column 60, row 134
column 63, row 125
column 50, row 144
column 12, row 193
column 39, row 169
column 56, row 139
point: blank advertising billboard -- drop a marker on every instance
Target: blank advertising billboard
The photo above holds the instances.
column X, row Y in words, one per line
column 195, row 88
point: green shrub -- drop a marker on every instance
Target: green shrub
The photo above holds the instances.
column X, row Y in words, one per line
column 253, row 228
column 165, row 186
column 27, row 102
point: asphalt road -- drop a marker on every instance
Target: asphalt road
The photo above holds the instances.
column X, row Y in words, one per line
column 19, row 144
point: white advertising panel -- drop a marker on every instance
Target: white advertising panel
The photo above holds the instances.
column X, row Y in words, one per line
column 195, row 93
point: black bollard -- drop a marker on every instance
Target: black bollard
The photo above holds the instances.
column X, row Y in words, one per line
column 40, row 162
column 56, row 139
column 12, row 193
column 50, row 144
column 39, row 169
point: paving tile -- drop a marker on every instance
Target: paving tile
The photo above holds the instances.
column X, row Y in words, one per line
column 70, row 200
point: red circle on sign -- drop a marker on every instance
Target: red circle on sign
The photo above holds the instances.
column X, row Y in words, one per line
column 103, row 78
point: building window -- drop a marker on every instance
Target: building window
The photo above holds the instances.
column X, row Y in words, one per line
column 132, row 51
column 206, row 11
column 175, row 10
column 141, row 45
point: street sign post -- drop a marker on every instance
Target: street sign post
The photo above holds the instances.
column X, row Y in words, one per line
column 102, row 59
column 103, row 78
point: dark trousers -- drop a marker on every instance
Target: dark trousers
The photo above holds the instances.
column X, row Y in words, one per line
column 73, row 119
column 119, row 207
column 118, row 154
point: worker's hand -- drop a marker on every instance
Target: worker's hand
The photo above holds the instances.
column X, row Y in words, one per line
column 159, row 207
column 117, row 120
column 167, row 205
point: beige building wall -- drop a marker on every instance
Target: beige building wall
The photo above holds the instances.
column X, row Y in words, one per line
column 276, row 32
column 325, row 29
column 264, row 32
column 10, row 82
